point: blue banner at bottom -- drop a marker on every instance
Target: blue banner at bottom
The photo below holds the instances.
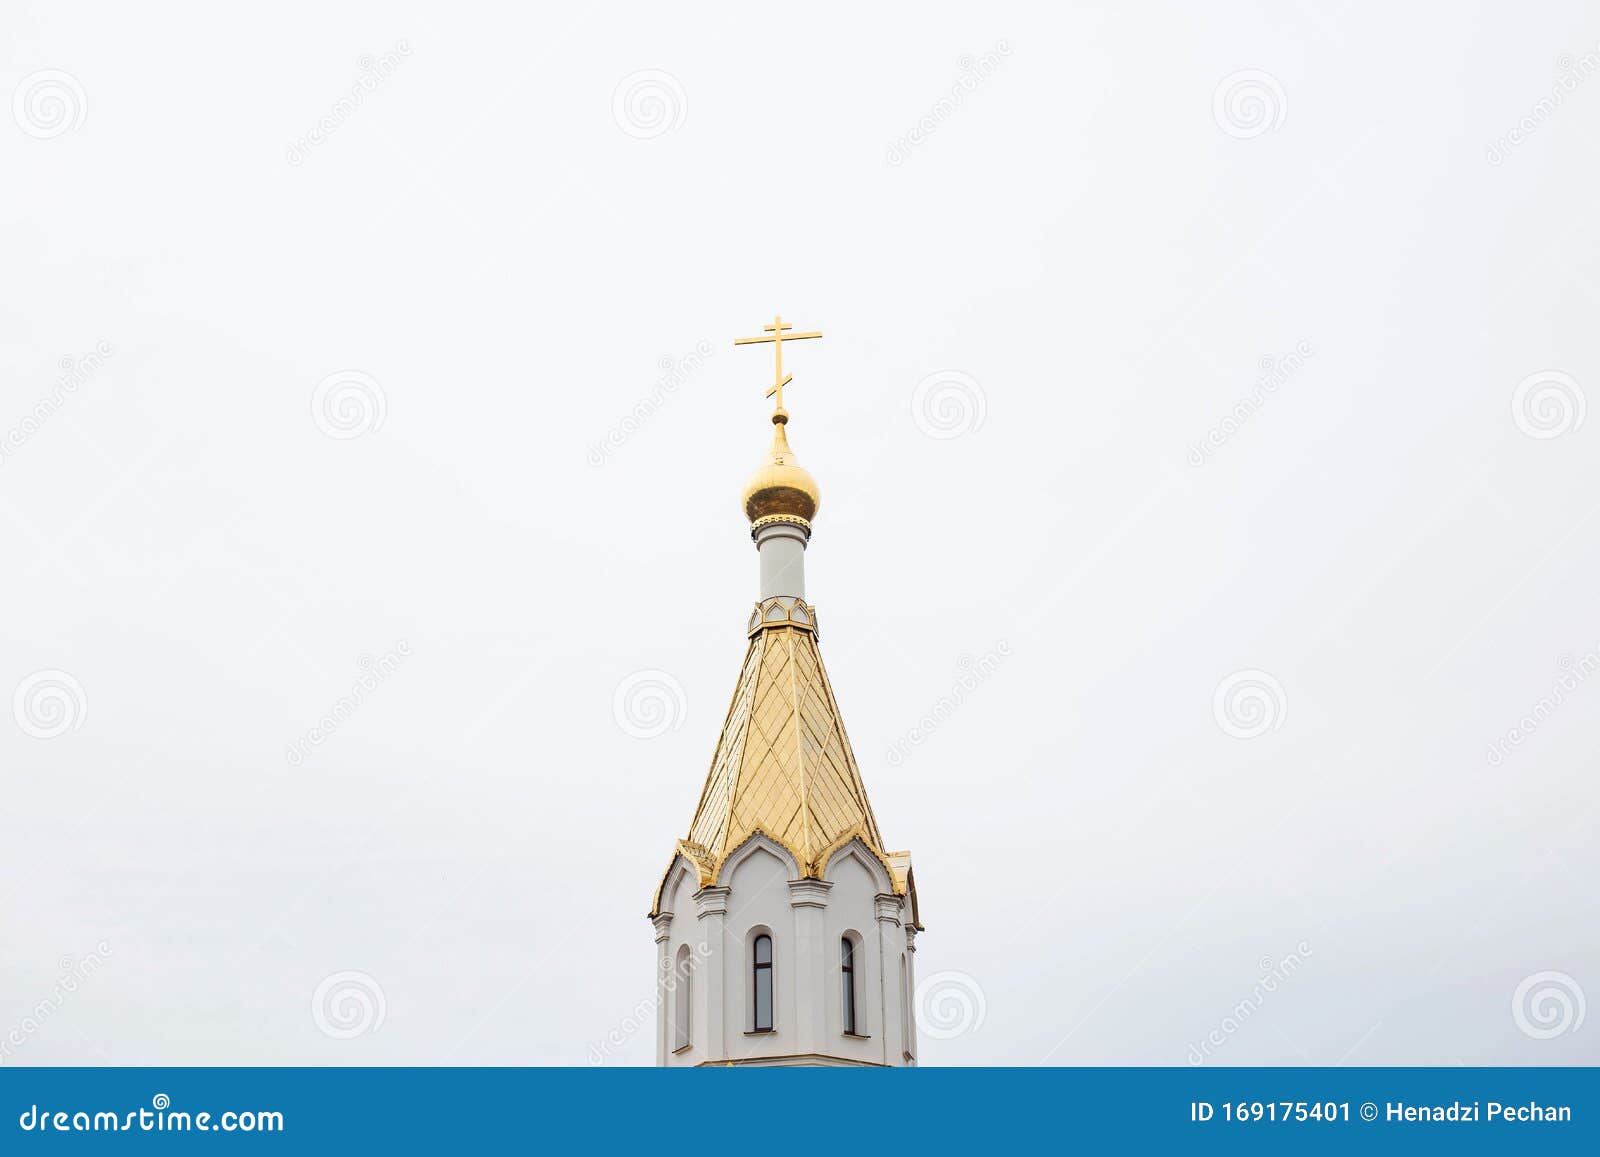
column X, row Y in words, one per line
column 1310, row 1110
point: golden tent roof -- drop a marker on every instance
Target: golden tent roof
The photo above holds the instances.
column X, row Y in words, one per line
column 783, row 764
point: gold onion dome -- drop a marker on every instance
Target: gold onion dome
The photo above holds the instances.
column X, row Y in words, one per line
column 781, row 487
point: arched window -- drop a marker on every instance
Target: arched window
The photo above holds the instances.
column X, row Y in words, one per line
column 680, row 1000
column 761, row 982
column 908, row 1029
column 847, row 983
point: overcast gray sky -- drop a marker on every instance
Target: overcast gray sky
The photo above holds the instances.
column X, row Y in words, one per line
column 350, row 307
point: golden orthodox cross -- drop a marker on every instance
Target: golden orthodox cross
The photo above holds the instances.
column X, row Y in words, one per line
column 777, row 334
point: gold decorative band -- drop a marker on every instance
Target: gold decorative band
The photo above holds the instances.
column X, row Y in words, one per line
column 779, row 520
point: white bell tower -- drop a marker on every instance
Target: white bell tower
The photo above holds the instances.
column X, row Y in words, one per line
column 785, row 932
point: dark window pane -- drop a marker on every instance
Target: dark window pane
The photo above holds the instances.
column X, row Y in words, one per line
column 844, row 951
column 761, row 977
column 763, row 998
column 682, row 1008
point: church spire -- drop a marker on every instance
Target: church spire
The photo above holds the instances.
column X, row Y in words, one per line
column 784, row 812
column 783, row 765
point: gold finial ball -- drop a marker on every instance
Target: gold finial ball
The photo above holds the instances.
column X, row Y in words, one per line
column 780, row 487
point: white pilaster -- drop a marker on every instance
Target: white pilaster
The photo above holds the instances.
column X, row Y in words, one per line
column 663, row 927
column 711, row 971
column 888, row 908
column 809, row 898
column 911, row 991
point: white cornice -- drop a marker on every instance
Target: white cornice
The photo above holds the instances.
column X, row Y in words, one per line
column 888, row 907
column 809, row 893
column 712, row 901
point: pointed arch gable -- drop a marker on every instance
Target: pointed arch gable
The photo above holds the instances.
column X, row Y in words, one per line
column 756, row 841
column 686, row 857
column 670, row 879
column 853, row 845
column 911, row 894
